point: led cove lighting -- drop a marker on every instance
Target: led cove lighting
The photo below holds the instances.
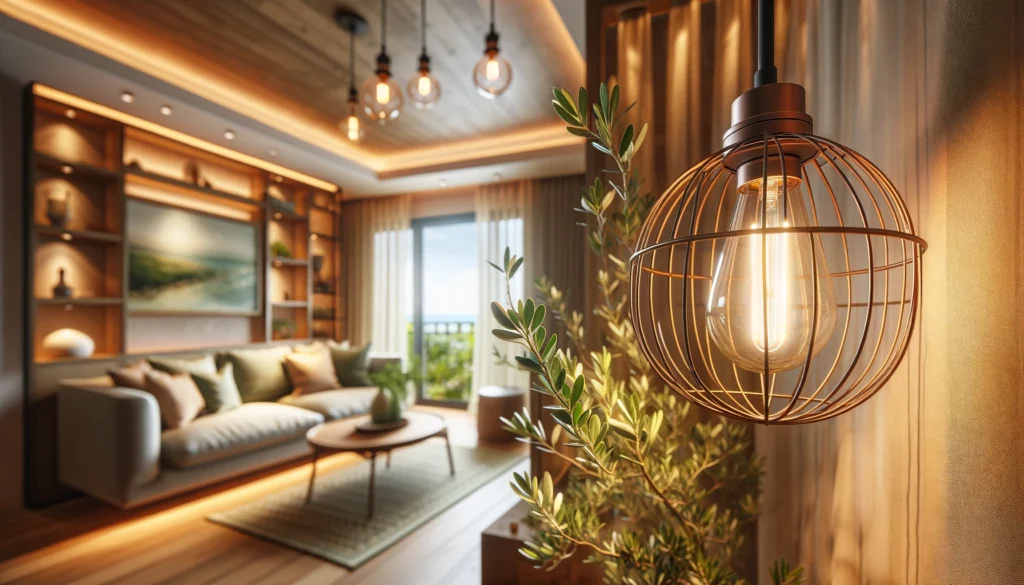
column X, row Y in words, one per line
column 136, row 122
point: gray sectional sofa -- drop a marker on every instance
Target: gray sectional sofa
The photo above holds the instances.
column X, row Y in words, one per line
column 110, row 444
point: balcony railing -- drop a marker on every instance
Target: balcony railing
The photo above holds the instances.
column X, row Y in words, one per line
column 447, row 327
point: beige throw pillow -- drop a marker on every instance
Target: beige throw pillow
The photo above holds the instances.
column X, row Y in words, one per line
column 311, row 372
column 132, row 375
column 177, row 396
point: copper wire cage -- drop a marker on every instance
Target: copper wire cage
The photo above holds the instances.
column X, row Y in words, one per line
column 869, row 254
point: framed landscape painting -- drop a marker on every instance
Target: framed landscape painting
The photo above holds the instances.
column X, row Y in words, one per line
column 189, row 262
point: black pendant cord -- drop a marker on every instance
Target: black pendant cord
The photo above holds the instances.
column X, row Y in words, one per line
column 492, row 16
column 423, row 25
column 766, row 72
column 383, row 26
column 352, row 63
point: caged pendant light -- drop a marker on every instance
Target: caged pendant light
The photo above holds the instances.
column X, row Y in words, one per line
column 355, row 24
column 778, row 280
column 492, row 74
column 423, row 88
column 381, row 97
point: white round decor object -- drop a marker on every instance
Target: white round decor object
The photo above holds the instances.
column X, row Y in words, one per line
column 69, row 343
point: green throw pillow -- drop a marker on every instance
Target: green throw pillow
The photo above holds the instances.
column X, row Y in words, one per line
column 352, row 366
column 202, row 365
column 259, row 373
column 219, row 389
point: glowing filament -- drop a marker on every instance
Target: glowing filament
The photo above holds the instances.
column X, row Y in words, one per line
column 424, row 85
column 383, row 93
column 493, row 69
column 352, row 128
column 769, row 291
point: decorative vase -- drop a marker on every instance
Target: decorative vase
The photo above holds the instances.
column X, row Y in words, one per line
column 58, row 209
column 69, row 343
column 381, row 410
column 62, row 290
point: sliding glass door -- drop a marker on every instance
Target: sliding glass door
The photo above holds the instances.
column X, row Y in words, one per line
column 445, row 300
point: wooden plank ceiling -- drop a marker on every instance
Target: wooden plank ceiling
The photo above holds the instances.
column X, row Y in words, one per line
column 294, row 49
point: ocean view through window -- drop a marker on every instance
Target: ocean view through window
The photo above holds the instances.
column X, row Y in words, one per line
column 445, row 292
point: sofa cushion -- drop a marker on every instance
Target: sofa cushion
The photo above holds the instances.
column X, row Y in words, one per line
column 259, row 373
column 334, row 404
column 219, row 390
column 250, row 427
column 311, row 372
column 132, row 375
column 177, row 395
column 198, row 365
column 352, row 366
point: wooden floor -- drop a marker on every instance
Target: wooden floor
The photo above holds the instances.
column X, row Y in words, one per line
column 85, row 542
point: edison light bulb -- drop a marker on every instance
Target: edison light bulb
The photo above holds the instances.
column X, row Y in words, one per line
column 423, row 85
column 353, row 129
column 754, row 312
column 493, row 69
column 383, row 93
column 351, row 126
column 492, row 74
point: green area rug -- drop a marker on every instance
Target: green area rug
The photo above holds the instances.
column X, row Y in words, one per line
column 334, row 525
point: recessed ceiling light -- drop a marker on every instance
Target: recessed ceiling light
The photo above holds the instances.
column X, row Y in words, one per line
column 229, row 134
column 66, row 237
column 273, row 152
column 278, row 178
column 313, row 237
column 496, row 177
column 70, row 113
column 127, row 97
column 66, row 169
column 166, row 110
column 277, row 216
column 442, row 183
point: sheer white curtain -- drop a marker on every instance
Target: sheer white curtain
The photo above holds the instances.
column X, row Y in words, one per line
column 377, row 246
column 499, row 215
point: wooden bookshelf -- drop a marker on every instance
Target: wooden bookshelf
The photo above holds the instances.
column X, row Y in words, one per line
column 96, row 166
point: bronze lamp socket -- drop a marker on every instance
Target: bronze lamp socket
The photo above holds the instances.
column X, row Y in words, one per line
column 768, row 112
column 383, row 70
column 492, row 43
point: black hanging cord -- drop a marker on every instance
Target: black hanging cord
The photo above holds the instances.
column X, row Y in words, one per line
column 766, row 72
column 492, row 16
column 383, row 26
column 352, row 61
column 423, row 24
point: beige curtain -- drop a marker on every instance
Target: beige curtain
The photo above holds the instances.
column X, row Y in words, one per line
column 376, row 242
column 555, row 241
column 922, row 483
column 685, row 144
column 556, row 248
column 735, row 36
column 499, row 217
column 635, row 75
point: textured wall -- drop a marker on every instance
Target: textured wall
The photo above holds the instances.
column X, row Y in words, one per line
column 922, row 484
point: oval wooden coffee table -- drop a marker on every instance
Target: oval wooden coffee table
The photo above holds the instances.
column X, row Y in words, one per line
column 342, row 436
